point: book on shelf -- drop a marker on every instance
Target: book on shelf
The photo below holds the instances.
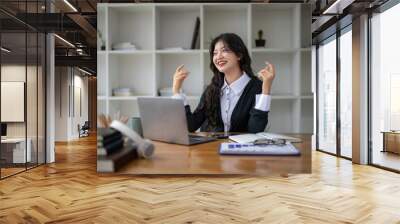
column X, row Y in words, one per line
column 195, row 38
column 115, row 161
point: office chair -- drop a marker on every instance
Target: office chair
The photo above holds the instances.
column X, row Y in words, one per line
column 84, row 130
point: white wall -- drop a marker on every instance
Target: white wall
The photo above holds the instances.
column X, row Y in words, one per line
column 61, row 103
column 70, row 83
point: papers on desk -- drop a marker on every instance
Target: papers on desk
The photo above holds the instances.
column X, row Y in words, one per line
column 250, row 138
column 260, row 150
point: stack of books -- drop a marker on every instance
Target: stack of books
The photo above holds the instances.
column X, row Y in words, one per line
column 112, row 154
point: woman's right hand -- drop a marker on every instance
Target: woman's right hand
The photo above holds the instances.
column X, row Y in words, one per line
column 180, row 75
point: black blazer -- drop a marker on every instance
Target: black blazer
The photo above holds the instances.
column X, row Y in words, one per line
column 245, row 118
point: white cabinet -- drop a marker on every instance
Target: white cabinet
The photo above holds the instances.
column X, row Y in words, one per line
column 162, row 34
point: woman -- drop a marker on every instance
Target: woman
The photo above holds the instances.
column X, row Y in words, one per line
column 235, row 100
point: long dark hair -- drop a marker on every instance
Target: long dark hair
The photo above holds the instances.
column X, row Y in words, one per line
column 213, row 90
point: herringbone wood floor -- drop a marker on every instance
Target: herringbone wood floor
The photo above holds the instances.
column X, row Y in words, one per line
column 70, row 191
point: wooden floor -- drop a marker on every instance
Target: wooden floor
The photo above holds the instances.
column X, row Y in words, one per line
column 70, row 191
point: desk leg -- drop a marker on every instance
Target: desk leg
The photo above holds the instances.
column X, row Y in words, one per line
column 384, row 143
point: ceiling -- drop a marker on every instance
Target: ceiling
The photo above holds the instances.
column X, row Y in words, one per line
column 79, row 27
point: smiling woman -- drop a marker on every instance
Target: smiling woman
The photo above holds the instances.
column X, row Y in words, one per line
column 235, row 100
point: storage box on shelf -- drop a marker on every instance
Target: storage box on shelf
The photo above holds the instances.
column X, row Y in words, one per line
column 164, row 42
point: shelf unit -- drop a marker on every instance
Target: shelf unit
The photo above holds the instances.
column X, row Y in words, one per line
column 163, row 44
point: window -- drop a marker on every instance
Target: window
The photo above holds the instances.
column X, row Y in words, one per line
column 327, row 96
column 346, row 92
column 385, row 87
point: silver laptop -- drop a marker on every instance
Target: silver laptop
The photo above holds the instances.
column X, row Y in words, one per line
column 164, row 119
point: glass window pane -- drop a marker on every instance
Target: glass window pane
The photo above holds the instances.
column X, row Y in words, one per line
column 385, row 88
column 14, row 147
column 346, row 94
column 31, row 97
column 327, row 96
column 41, row 98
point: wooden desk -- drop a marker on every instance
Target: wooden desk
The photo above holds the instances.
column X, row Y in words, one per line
column 205, row 159
column 391, row 141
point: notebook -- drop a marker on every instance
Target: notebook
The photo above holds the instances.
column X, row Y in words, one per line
column 250, row 138
column 259, row 150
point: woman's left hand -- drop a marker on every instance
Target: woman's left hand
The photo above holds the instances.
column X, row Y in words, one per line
column 267, row 75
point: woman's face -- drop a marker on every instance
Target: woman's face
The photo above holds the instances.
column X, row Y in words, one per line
column 223, row 58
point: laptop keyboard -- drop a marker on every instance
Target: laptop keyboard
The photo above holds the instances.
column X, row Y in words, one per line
column 196, row 138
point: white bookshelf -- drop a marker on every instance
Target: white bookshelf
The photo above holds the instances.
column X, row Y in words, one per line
column 162, row 33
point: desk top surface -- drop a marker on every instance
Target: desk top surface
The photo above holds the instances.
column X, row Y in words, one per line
column 13, row 140
column 205, row 159
column 391, row 132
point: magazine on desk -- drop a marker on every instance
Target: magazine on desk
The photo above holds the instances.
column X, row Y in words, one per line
column 250, row 138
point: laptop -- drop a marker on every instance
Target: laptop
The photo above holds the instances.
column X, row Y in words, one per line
column 164, row 119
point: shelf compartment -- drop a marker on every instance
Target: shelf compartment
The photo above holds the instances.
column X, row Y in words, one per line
column 101, row 107
column 225, row 18
column 284, row 69
column 277, row 21
column 101, row 25
column 193, row 102
column 305, row 72
column 280, row 117
column 124, row 108
column 134, row 24
column 307, row 116
column 101, row 74
column 207, row 73
column 284, row 97
column 178, row 51
column 274, row 50
column 175, row 25
column 166, row 66
column 116, row 52
column 132, row 71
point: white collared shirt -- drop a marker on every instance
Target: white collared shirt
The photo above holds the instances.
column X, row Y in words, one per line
column 230, row 95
